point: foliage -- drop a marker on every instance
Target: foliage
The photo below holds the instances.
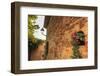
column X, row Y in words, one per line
column 33, row 42
column 32, row 27
column 33, row 46
column 75, row 50
column 77, row 40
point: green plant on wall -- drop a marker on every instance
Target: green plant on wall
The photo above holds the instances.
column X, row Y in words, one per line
column 75, row 49
column 77, row 41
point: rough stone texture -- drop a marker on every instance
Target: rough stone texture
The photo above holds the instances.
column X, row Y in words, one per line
column 59, row 33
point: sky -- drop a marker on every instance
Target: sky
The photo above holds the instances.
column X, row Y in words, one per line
column 38, row 33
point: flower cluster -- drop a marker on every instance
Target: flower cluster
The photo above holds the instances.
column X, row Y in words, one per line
column 78, row 37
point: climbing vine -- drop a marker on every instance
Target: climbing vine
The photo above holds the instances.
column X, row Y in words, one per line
column 77, row 40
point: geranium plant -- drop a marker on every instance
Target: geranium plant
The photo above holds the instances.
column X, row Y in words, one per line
column 78, row 39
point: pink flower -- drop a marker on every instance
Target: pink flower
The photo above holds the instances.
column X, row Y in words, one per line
column 74, row 35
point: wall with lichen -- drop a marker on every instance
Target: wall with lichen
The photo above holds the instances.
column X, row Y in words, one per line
column 59, row 30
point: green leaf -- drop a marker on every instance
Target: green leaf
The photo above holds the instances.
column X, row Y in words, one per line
column 36, row 26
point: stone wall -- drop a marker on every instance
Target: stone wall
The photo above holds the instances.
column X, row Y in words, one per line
column 59, row 30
